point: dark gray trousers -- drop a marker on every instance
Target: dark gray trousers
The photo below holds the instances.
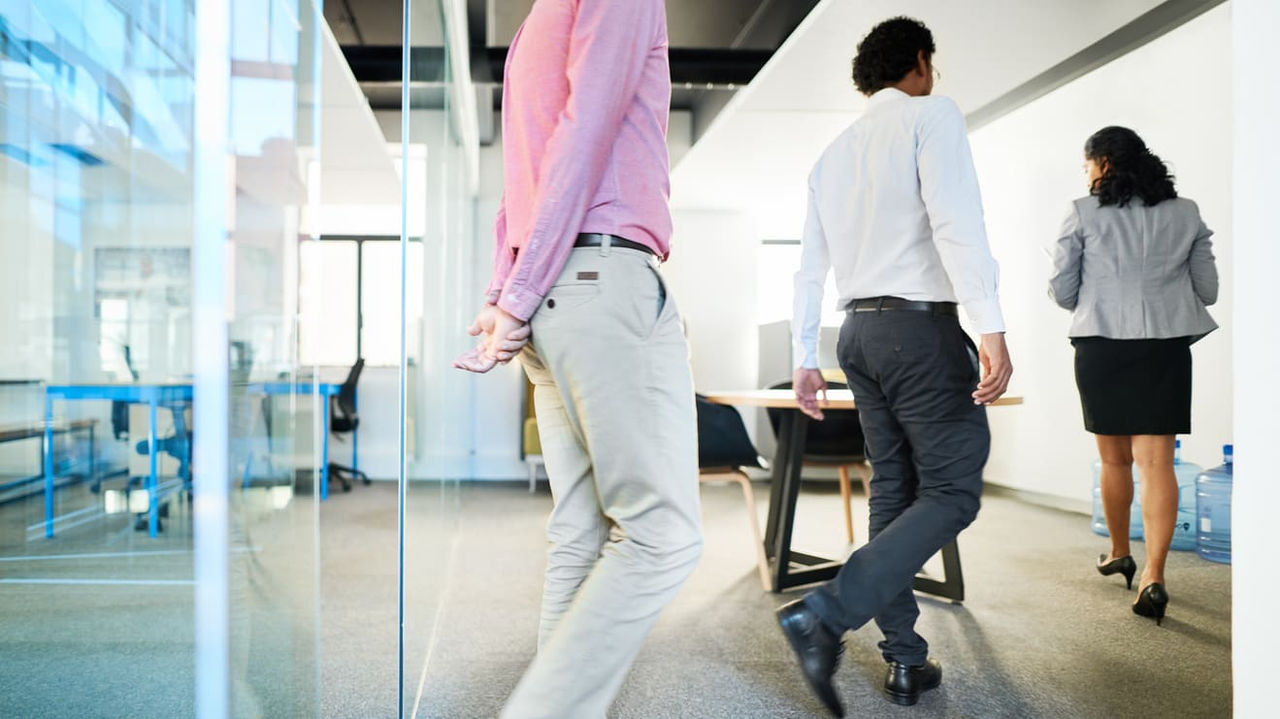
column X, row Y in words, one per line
column 912, row 376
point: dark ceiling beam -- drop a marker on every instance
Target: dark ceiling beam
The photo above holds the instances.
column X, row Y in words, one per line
column 381, row 63
column 717, row 67
column 478, row 39
column 711, row 66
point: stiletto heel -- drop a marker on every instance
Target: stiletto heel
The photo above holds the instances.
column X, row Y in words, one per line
column 1151, row 602
column 1123, row 565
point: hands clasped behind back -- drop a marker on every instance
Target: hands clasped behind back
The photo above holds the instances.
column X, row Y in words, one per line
column 502, row 336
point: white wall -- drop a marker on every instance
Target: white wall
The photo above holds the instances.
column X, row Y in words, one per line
column 498, row 397
column 466, row 426
column 1176, row 93
column 711, row 274
column 26, row 311
column 26, row 276
column 1257, row 494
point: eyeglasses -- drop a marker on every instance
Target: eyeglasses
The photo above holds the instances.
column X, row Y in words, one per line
column 937, row 74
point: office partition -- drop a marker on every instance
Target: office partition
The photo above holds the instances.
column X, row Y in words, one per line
column 440, row 144
column 157, row 158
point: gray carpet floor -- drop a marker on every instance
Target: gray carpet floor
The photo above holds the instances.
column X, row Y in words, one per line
column 1039, row 635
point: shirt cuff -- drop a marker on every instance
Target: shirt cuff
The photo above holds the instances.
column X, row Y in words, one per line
column 806, row 358
column 985, row 315
column 519, row 303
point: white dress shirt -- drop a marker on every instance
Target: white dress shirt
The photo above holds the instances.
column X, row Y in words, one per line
column 894, row 207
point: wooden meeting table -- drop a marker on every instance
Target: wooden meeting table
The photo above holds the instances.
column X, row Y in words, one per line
column 789, row 568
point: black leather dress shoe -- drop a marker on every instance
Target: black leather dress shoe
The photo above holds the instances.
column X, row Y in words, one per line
column 904, row 684
column 817, row 648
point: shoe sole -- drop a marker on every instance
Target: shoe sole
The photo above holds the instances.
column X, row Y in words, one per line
column 835, row 709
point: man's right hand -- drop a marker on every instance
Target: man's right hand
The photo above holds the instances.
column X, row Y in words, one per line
column 807, row 383
column 993, row 354
column 503, row 338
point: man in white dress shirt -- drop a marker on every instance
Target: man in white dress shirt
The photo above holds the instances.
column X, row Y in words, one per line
column 894, row 209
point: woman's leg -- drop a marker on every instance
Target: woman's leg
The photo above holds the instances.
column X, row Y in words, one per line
column 1116, row 452
column 1154, row 454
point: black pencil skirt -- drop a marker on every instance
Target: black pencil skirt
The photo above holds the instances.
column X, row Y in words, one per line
column 1132, row 387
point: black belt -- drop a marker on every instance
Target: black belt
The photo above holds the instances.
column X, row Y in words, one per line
column 882, row 304
column 596, row 240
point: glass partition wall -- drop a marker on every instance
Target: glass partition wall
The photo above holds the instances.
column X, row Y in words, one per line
column 182, row 339
column 99, row 388
column 440, row 156
column 96, row 569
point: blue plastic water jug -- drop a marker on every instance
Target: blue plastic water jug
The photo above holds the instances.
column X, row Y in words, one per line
column 1184, row 532
column 1135, row 509
column 1213, row 510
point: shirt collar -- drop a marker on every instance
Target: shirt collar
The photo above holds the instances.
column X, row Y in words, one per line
column 887, row 94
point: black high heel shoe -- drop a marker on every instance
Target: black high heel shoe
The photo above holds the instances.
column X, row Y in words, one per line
column 1151, row 602
column 1123, row 565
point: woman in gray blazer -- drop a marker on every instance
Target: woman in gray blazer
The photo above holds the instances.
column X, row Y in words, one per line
column 1134, row 264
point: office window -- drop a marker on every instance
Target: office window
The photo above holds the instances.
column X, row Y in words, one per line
column 349, row 298
column 327, row 303
column 776, row 265
column 380, row 301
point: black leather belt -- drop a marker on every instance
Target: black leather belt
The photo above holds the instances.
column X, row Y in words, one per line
column 595, row 240
column 885, row 304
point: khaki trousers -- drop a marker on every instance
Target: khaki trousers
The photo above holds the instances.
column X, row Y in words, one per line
column 614, row 401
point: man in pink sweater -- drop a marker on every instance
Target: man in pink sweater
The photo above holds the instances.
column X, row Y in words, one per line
column 577, row 295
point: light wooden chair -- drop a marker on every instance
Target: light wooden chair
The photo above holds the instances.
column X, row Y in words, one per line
column 735, row 474
column 724, row 449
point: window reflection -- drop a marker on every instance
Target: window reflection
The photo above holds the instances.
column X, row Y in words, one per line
column 97, row 189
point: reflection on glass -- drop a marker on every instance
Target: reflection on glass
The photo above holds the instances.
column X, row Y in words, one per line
column 96, row 434
column 440, row 399
column 95, row 466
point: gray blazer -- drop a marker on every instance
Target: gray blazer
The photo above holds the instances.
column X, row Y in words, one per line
column 1135, row 272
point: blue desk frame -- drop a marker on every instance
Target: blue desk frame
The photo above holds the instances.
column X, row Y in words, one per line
column 152, row 395
column 170, row 395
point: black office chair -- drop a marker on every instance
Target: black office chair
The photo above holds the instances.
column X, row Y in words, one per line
column 724, row 448
column 177, row 445
column 837, row 441
column 343, row 420
column 120, row 409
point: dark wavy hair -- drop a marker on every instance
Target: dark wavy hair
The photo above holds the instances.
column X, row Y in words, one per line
column 889, row 52
column 1132, row 169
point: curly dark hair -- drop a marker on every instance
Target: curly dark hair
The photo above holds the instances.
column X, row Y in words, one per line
column 889, row 52
column 1132, row 170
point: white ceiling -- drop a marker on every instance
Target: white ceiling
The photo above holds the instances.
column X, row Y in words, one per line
column 757, row 155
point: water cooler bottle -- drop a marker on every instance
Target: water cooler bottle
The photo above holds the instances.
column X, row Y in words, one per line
column 1213, row 510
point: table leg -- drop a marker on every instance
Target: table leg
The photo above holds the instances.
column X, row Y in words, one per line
column 324, row 452
column 952, row 584
column 93, row 461
column 355, row 435
column 152, row 506
column 792, row 460
column 776, row 483
column 48, row 466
